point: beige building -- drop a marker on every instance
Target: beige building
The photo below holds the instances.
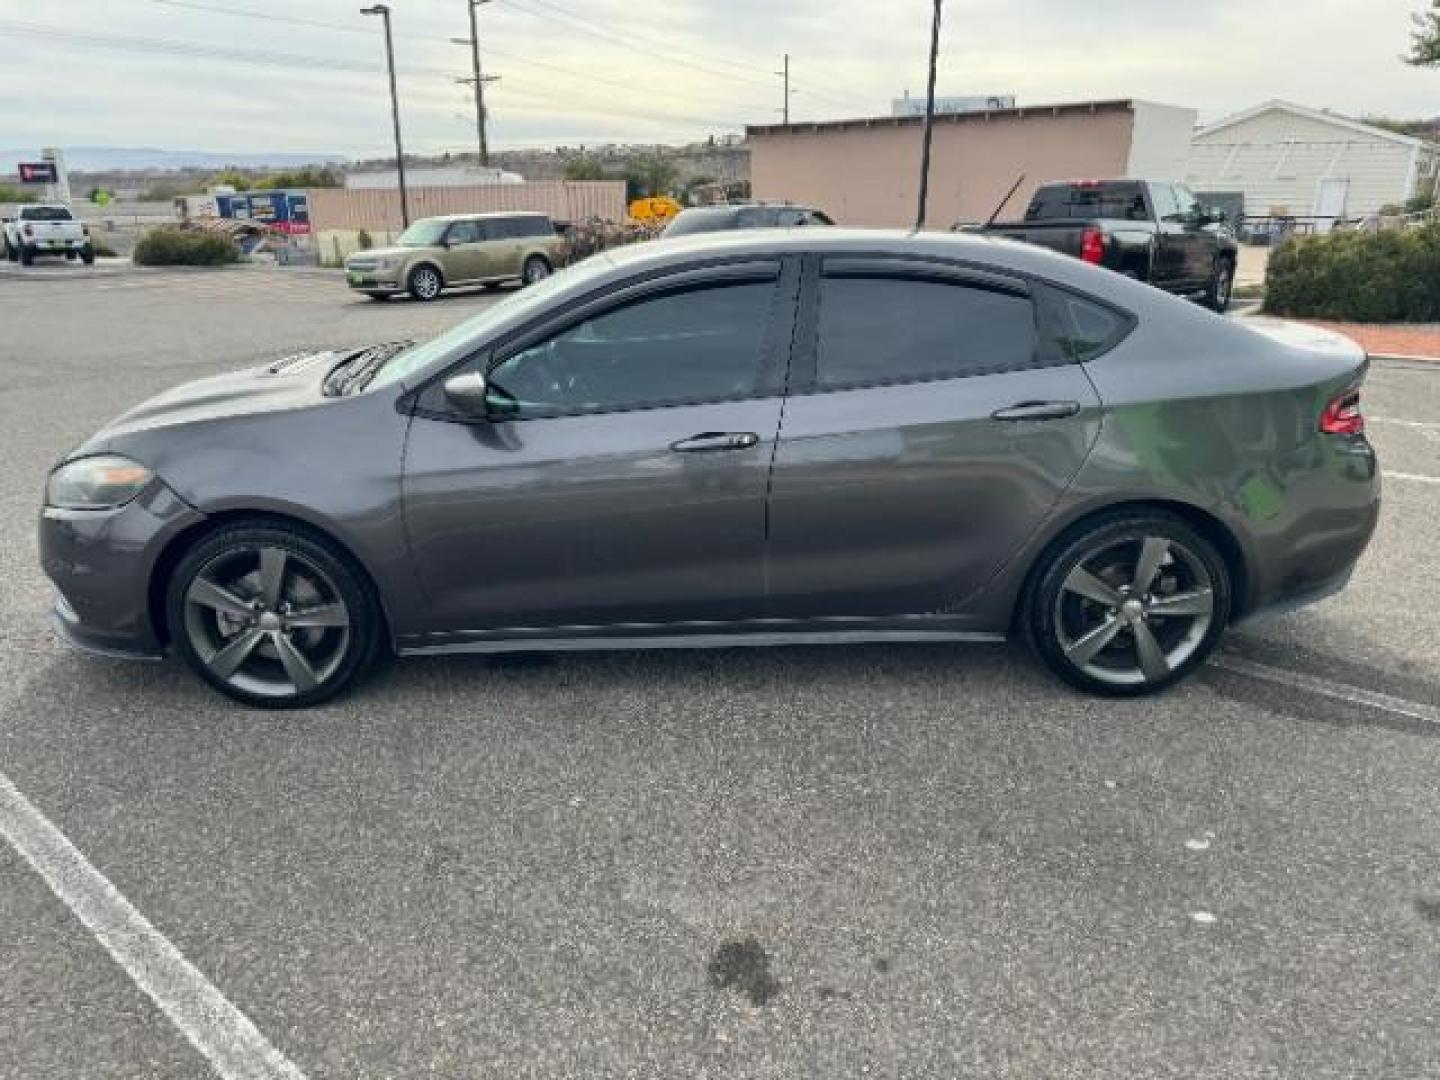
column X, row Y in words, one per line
column 866, row 172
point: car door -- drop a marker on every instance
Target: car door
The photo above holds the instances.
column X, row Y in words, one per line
column 931, row 426
column 464, row 252
column 1170, row 266
column 506, row 246
column 1199, row 242
column 621, row 477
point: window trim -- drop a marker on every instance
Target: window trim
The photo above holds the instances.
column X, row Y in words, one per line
column 804, row 379
column 783, row 271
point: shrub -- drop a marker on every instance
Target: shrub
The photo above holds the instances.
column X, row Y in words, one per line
column 168, row 246
column 1390, row 276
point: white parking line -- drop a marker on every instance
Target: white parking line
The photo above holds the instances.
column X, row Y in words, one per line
column 1419, row 478
column 1353, row 695
column 215, row 1027
column 1424, row 425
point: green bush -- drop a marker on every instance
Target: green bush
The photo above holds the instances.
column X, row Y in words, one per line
column 1391, row 276
column 168, row 246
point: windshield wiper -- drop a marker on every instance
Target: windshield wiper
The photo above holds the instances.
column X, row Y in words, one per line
column 362, row 366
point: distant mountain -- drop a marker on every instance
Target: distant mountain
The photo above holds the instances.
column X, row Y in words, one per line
column 115, row 158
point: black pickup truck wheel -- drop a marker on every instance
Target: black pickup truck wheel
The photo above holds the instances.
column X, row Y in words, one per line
column 1217, row 296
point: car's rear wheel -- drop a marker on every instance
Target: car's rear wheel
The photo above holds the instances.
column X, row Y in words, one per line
column 1128, row 604
column 273, row 615
column 27, row 255
column 536, row 269
column 87, row 255
column 424, row 282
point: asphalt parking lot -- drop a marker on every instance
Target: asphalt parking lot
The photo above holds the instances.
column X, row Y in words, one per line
column 916, row 861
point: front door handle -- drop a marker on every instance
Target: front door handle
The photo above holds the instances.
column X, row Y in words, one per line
column 1037, row 410
column 709, row 441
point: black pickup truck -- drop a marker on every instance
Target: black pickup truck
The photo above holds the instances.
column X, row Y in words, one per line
column 1149, row 229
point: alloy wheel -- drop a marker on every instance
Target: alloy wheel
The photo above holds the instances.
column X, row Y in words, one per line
column 1133, row 610
column 536, row 270
column 267, row 621
column 427, row 283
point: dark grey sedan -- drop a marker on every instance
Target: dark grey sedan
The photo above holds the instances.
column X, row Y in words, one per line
column 745, row 439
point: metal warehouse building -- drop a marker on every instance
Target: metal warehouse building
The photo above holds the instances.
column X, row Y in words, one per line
column 1306, row 162
column 865, row 172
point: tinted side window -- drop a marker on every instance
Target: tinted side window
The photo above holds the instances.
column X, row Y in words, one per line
column 705, row 344
column 879, row 330
column 1078, row 329
column 1185, row 204
column 1163, row 196
column 463, row 232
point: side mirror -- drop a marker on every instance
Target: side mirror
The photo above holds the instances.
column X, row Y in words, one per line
column 468, row 394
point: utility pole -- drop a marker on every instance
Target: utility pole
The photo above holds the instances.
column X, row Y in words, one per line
column 929, row 119
column 480, row 81
column 384, row 12
column 784, row 111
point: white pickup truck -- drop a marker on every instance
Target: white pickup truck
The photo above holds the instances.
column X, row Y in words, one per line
column 47, row 230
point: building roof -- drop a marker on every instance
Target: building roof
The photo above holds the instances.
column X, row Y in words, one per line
column 1320, row 115
column 979, row 117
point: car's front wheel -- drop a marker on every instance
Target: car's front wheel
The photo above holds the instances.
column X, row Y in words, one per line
column 273, row 615
column 536, row 269
column 1128, row 604
column 424, row 282
column 1217, row 296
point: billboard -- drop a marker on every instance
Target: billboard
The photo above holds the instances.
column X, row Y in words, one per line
column 915, row 106
column 38, row 172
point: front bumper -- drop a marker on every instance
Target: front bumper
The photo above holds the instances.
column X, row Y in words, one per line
column 102, row 562
column 372, row 281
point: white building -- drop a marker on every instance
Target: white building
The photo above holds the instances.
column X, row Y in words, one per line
column 1306, row 162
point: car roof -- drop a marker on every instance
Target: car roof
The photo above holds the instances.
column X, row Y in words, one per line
column 980, row 249
column 488, row 215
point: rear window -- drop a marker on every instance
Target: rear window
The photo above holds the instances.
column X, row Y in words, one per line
column 46, row 213
column 1059, row 202
column 698, row 221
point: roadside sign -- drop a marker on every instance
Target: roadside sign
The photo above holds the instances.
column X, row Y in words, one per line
column 38, row 172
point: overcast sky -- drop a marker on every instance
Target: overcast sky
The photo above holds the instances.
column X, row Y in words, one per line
column 202, row 74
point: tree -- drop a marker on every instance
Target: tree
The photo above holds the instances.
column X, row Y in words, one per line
column 311, row 176
column 585, row 166
column 1425, row 41
column 232, row 177
column 650, row 174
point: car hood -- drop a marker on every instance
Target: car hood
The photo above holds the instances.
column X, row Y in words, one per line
column 293, row 382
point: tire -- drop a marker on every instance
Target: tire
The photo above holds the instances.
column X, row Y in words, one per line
column 536, row 269
column 1087, row 614
column 1217, row 295
column 27, row 255
column 87, row 255
column 424, row 282
column 234, row 607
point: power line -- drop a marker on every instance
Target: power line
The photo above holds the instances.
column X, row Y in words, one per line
column 265, row 16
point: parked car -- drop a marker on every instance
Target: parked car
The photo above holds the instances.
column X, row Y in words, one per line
column 48, row 229
column 462, row 249
column 700, row 219
column 759, row 438
column 1151, row 230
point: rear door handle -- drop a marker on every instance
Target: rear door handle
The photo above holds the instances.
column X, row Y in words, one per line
column 1037, row 410
column 710, row 441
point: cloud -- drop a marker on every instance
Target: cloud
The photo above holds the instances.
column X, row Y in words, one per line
column 603, row 70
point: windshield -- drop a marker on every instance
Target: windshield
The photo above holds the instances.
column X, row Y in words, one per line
column 514, row 307
column 1124, row 201
column 45, row 213
column 423, row 233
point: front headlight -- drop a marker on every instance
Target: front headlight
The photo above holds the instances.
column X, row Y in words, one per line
column 96, row 483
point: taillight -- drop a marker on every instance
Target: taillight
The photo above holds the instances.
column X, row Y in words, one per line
column 1092, row 246
column 1342, row 415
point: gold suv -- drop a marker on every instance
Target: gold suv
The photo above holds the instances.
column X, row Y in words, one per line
column 458, row 249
